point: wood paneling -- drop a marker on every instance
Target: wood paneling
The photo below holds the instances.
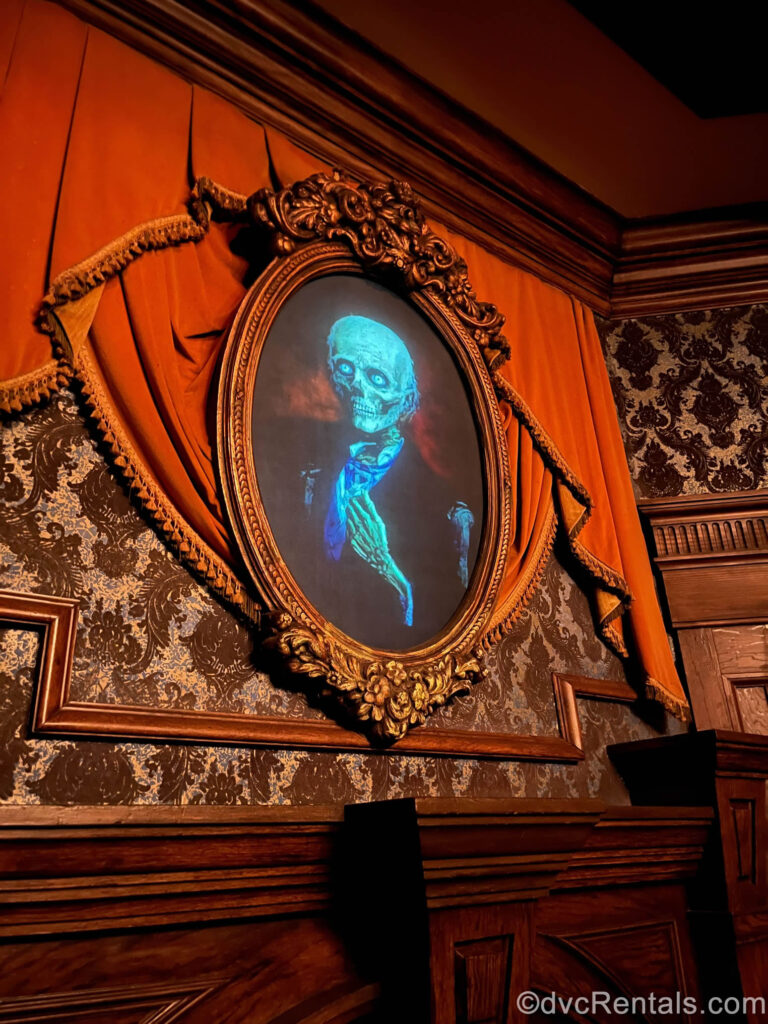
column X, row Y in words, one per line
column 331, row 92
column 286, row 915
column 481, row 972
column 142, row 1004
column 518, row 892
column 729, row 898
column 712, row 553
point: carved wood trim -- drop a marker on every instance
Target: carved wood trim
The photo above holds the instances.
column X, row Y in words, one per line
column 57, row 618
column 708, row 526
column 304, row 73
column 568, row 687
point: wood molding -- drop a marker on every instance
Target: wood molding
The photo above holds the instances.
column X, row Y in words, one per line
column 57, row 618
column 56, row 715
column 700, row 261
column 98, row 868
column 658, row 844
column 266, row 914
column 295, row 68
column 530, row 848
column 729, row 896
column 568, row 687
column 493, row 876
column 712, row 552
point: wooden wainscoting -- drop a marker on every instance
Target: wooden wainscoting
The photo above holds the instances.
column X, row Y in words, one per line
column 441, row 910
column 729, row 902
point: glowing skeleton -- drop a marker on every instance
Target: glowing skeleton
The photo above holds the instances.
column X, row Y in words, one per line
column 372, row 372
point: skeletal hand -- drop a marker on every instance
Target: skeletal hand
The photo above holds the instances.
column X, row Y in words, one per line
column 368, row 535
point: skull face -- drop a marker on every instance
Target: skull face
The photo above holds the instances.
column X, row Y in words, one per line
column 372, row 372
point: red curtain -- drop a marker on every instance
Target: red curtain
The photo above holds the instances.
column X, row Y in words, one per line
column 102, row 150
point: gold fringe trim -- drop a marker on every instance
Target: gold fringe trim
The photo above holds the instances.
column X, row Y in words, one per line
column 191, row 549
column 605, row 576
column 112, row 259
column 599, row 570
column 206, row 198
column 677, row 706
column 526, row 587
column 21, row 392
column 524, row 413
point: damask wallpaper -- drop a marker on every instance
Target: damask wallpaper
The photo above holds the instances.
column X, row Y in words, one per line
column 149, row 633
column 691, row 391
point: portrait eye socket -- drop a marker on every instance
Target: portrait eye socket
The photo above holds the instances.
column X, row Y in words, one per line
column 345, row 368
column 378, row 379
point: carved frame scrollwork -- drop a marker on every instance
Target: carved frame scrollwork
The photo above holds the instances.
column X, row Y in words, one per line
column 326, row 225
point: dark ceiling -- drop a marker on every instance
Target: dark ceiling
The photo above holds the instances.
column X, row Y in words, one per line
column 712, row 56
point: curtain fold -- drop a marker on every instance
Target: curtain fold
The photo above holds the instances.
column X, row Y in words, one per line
column 143, row 265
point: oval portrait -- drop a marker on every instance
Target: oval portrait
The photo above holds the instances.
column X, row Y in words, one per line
column 368, row 460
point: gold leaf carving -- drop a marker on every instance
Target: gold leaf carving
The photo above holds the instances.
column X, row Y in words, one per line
column 385, row 227
column 385, row 694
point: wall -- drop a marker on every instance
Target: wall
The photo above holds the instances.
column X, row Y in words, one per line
column 691, row 391
column 150, row 634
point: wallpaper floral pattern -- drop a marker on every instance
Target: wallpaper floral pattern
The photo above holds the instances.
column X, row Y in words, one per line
column 149, row 633
column 691, row 390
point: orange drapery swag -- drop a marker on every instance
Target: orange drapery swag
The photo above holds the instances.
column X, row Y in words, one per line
column 105, row 212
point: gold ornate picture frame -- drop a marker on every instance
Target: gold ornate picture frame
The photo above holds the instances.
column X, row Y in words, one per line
column 329, row 229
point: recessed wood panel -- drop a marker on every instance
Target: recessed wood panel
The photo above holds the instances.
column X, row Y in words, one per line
column 482, row 980
column 644, row 957
column 752, row 703
column 742, row 651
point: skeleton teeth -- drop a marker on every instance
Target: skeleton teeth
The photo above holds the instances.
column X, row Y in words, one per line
column 361, row 409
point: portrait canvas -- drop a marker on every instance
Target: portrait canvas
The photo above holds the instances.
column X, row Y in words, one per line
column 368, row 461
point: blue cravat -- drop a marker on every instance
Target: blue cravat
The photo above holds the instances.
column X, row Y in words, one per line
column 356, row 478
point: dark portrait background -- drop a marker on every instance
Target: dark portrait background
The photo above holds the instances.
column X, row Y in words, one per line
column 301, row 440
